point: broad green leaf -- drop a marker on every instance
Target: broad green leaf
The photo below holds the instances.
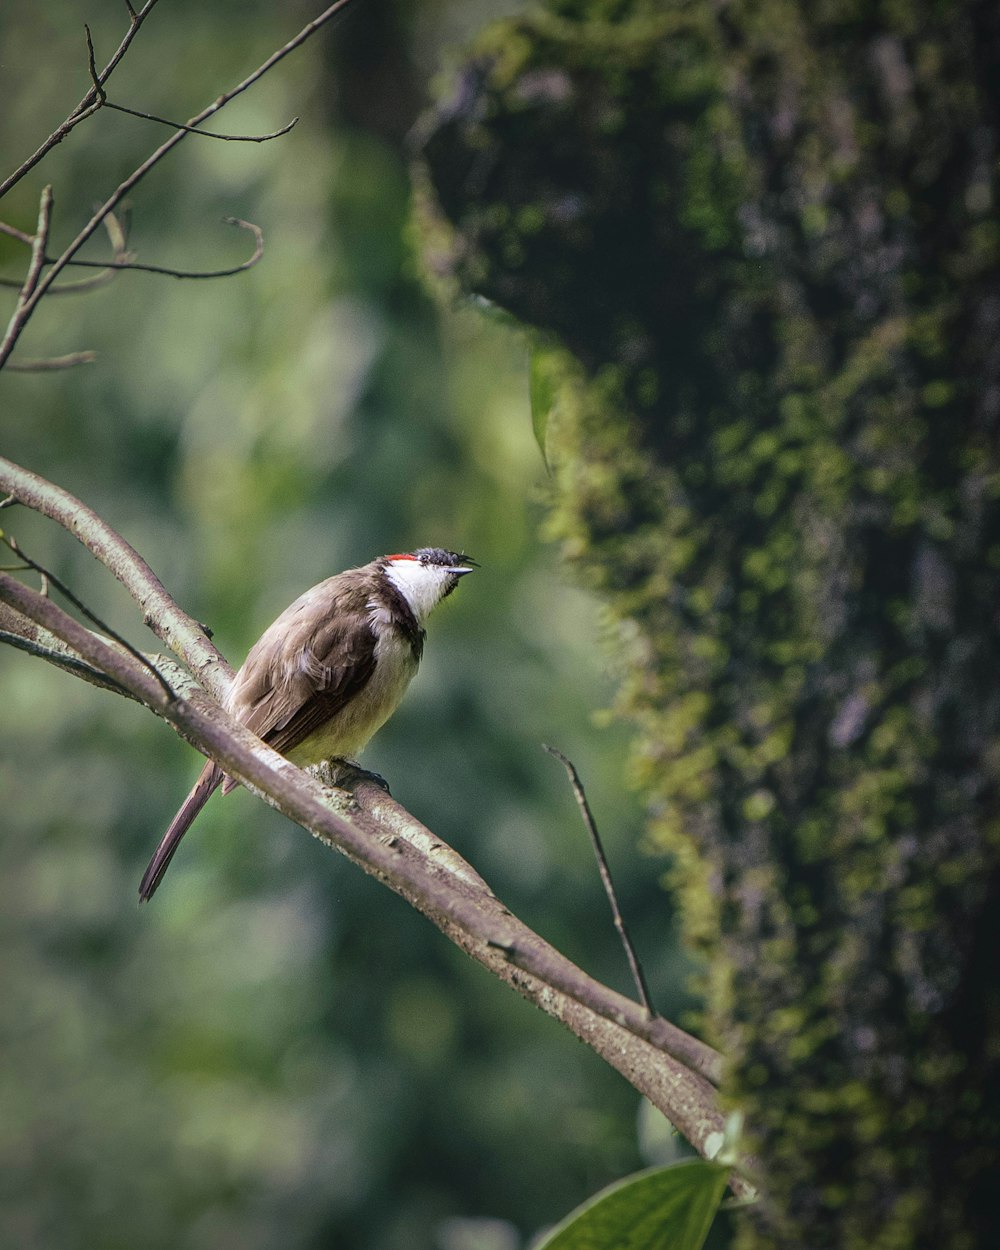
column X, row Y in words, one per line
column 669, row 1208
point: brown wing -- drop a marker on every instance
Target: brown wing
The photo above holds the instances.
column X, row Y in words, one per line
column 311, row 662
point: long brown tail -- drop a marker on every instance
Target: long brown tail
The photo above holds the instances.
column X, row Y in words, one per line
column 211, row 776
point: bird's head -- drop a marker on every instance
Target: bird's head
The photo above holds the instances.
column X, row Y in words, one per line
column 426, row 576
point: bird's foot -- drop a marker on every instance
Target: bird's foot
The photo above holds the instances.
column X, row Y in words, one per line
column 345, row 773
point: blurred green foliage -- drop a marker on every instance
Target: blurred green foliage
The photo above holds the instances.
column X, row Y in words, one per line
column 278, row 1051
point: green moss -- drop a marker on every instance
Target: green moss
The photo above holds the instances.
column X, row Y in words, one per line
column 775, row 463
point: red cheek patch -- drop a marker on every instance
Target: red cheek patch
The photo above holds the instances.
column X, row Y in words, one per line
column 403, row 556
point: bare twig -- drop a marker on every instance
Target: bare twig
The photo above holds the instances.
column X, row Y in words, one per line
column 49, row 364
column 80, row 287
column 87, row 106
column 116, row 266
column 602, row 863
column 38, row 245
column 32, row 279
column 109, row 269
column 18, row 630
column 9, row 541
column 163, row 121
column 116, row 234
column 196, row 130
column 22, row 236
column 94, row 76
column 7, row 346
column 175, row 628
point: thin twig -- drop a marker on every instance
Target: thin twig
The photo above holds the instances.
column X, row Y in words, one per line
column 117, row 266
column 61, row 658
column 94, row 76
column 22, row 236
column 32, row 279
column 195, row 130
column 38, row 246
column 7, row 346
column 49, row 364
column 108, row 273
column 80, row 286
column 10, row 541
column 602, row 863
column 83, row 285
column 87, row 106
column 163, row 121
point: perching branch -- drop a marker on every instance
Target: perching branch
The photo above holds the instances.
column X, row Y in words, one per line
column 202, row 721
column 391, row 850
column 670, row 1067
column 20, row 631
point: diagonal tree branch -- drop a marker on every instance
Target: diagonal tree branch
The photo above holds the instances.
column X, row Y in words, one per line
column 671, row 1068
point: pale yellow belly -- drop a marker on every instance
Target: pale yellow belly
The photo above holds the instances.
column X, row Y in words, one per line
column 349, row 732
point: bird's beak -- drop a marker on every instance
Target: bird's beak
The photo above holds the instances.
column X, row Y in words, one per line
column 469, row 567
column 461, row 572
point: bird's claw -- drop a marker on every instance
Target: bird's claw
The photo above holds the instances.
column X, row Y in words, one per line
column 345, row 773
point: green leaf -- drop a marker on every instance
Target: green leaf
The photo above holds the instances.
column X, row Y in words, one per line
column 668, row 1208
column 542, row 383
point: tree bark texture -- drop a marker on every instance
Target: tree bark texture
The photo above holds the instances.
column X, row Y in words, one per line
column 767, row 235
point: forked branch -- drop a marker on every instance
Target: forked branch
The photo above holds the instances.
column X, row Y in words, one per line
column 45, row 283
column 87, row 106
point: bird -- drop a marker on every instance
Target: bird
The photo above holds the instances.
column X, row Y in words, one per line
column 329, row 672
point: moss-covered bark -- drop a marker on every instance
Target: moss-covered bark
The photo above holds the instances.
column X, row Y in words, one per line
column 769, row 233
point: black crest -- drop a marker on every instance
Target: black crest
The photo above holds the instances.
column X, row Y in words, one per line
column 438, row 555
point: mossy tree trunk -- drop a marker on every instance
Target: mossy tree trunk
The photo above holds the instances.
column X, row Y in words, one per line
column 768, row 232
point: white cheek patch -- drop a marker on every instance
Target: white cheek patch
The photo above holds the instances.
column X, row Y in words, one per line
column 379, row 617
column 421, row 585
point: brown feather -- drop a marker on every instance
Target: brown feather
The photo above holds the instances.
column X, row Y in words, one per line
column 308, row 667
